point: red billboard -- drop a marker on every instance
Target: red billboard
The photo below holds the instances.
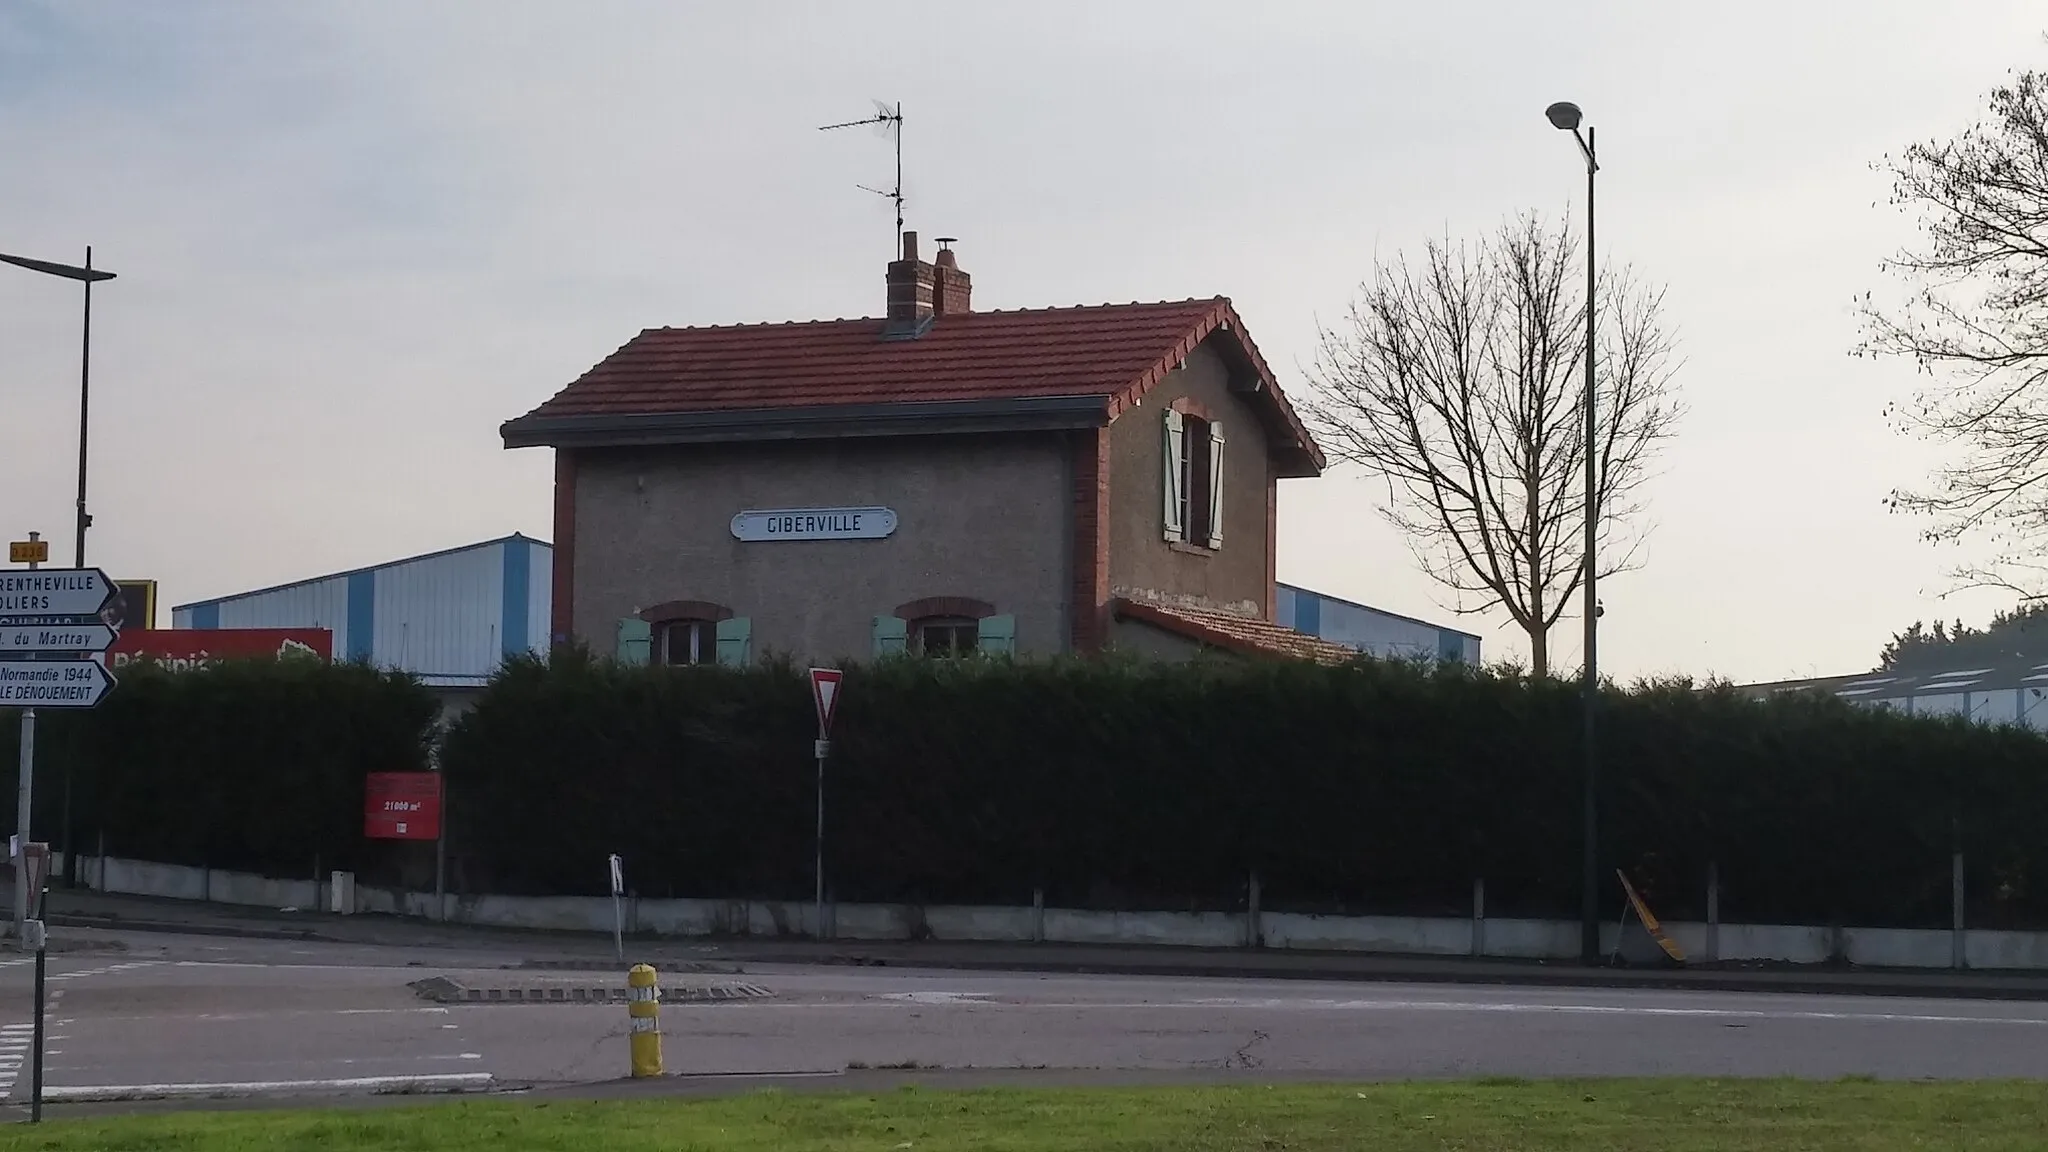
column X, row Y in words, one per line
column 402, row 806
column 180, row 649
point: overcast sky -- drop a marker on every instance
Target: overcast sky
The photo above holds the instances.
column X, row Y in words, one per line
column 354, row 237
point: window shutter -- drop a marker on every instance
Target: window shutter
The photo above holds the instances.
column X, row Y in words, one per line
column 998, row 635
column 1215, row 484
column 736, row 642
column 1171, row 489
column 636, row 637
column 891, row 635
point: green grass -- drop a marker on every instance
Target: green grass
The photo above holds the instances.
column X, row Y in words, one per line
column 1491, row 1116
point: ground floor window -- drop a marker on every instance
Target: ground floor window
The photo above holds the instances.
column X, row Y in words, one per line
column 682, row 642
column 943, row 636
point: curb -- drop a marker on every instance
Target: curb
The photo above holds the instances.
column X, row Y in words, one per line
column 1536, row 977
column 442, row 990
column 693, row 967
column 251, row 932
column 1532, row 976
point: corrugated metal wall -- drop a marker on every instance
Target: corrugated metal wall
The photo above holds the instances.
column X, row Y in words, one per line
column 449, row 618
column 1369, row 629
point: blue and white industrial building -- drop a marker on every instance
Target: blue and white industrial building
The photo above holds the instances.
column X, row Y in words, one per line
column 1370, row 630
column 450, row 618
column 2010, row 691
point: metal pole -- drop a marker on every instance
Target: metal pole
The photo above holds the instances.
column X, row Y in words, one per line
column 1589, row 879
column 818, row 865
column 35, row 1108
column 22, row 789
column 441, row 856
column 78, row 549
column 84, row 413
column 21, row 797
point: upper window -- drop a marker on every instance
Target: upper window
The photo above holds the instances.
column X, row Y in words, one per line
column 1193, row 510
column 947, row 636
column 686, row 642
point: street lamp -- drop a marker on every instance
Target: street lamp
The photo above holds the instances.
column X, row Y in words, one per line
column 1566, row 116
column 87, row 275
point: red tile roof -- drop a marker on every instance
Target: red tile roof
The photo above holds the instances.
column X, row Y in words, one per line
column 1116, row 351
column 1228, row 630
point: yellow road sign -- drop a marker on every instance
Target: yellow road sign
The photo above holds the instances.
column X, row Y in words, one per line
column 28, row 552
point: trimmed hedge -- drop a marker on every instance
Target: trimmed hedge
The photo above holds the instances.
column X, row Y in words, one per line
column 254, row 765
column 1376, row 787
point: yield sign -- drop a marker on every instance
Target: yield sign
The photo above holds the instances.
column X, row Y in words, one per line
column 825, row 693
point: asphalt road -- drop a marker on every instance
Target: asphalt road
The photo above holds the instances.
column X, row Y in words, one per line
column 203, row 1016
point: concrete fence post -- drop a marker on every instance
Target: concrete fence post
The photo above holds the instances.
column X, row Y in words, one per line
column 1478, row 916
column 1254, row 931
column 1959, row 955
column 1713, row 912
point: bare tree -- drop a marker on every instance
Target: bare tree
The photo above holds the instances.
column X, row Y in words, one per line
column 1974, row 317
column 1460, row 384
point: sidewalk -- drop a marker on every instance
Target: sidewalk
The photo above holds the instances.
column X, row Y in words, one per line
column 139, row 914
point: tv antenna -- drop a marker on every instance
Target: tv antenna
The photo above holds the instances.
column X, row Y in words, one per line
column 888, row 122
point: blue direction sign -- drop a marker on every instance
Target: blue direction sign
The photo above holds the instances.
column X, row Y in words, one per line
column 53, row 592
column 35, row 636
column 53, row 683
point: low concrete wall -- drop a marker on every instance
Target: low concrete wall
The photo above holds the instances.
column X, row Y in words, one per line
column 1505, row 938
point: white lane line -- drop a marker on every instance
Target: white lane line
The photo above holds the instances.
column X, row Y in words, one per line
column 452, row 1080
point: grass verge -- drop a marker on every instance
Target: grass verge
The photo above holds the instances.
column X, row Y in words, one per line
column 1470, row 1116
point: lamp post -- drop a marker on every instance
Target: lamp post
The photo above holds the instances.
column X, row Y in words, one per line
column 1566, row 116
column 87, row 275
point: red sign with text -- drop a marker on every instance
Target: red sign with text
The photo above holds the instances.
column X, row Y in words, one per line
column 180, row 649
column 402, row 806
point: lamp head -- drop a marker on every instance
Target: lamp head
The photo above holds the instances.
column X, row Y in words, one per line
column 1564, row 115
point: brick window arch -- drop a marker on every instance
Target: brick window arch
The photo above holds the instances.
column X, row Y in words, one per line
column 684, row 631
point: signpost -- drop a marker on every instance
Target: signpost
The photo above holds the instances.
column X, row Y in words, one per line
column 51, row 630
column 60, row 637
column 67, row 594
column 402, row 806
column 825, row 694
column 618, row 869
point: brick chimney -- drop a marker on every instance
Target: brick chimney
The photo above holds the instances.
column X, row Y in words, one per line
column 952, row 287
column 910, row 291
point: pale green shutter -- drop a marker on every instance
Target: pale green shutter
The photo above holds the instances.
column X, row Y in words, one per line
column 892, row 635
column 736, row 642
column 636, row 638
column 1216, row 484
column 998, row 635
column 1170, row 490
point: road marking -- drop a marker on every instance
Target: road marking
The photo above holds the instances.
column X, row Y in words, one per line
column 939, row 997
column 103, row 970
column 451, row 1080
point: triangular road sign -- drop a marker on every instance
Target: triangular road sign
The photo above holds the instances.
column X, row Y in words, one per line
column 825, row 694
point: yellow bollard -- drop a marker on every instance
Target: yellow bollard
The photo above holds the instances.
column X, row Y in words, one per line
column 643, row 1007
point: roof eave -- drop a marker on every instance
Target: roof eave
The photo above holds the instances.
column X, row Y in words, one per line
column 925, row 418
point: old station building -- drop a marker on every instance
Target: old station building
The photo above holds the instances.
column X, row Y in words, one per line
column 936, row 480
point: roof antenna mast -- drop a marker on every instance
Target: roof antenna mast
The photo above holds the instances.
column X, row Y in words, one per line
column 888, row 122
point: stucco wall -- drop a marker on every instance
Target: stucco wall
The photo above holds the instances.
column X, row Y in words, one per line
column 987, row 517
column 1141, row 562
